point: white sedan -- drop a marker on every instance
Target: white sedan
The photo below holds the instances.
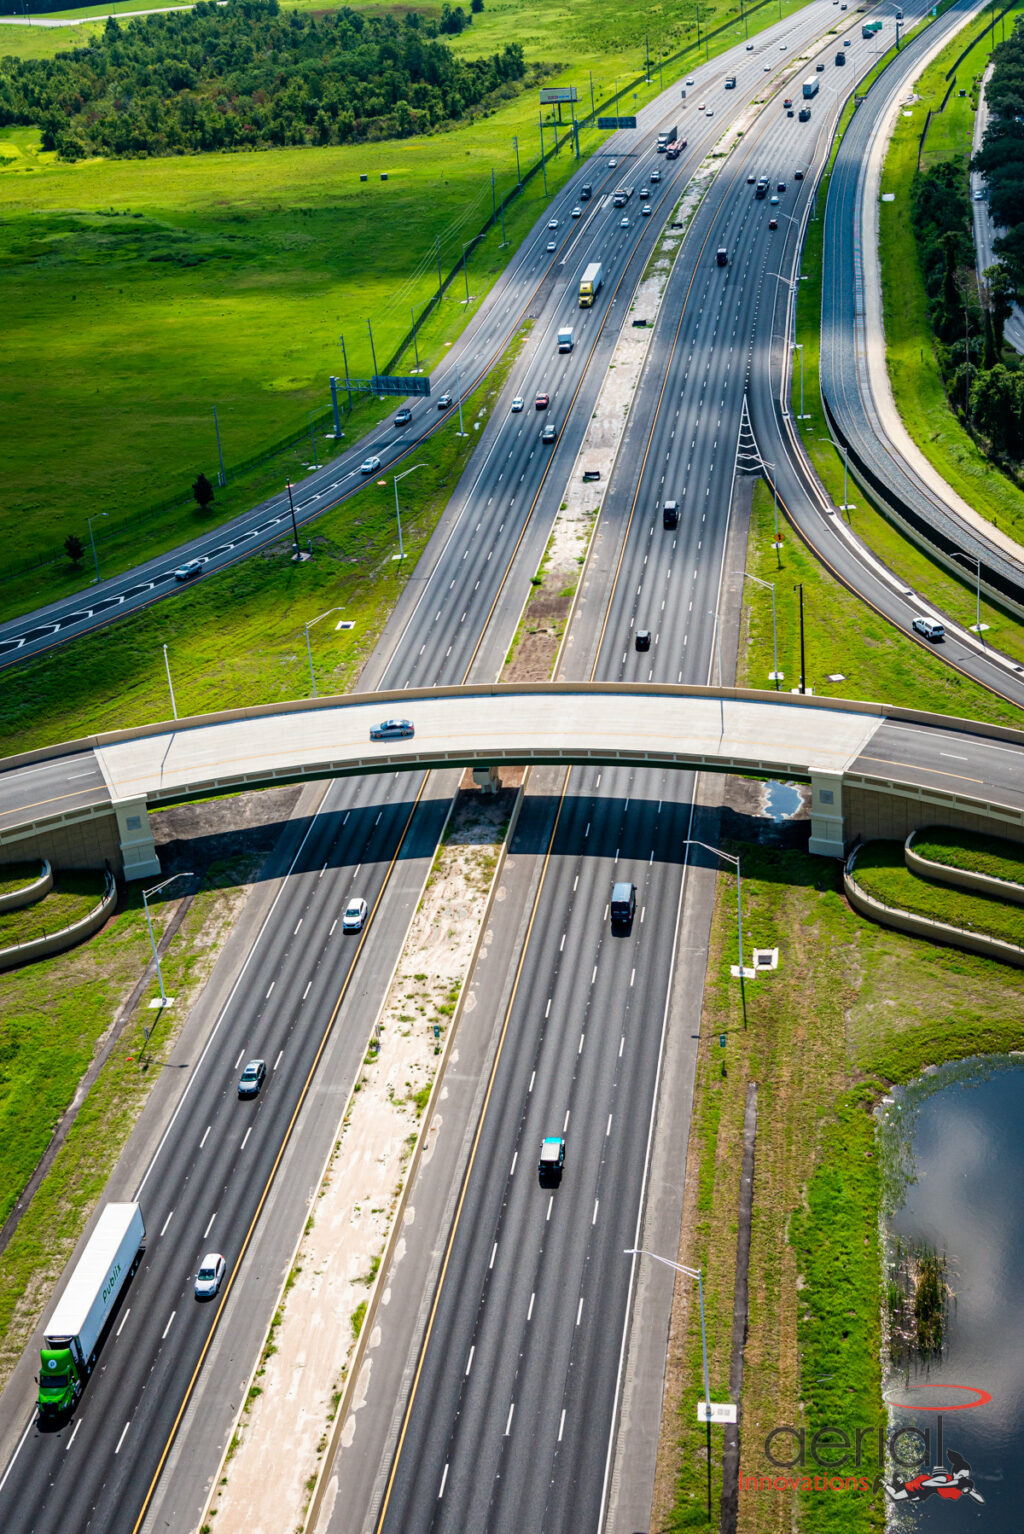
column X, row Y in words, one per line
column 210, row 1276
column 369, row 465
column 517, row 404
column 354, row 916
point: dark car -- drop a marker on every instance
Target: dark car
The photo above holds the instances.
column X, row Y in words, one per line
column 252, row 1078
column 722, row 256
column 643, row 639
column 190, row 571
column 404, row 416
column 781, row 186
column 549, row 434
column 622, row 907
column 798, row 175
column 804, row 115
column 552, row 1161
column 444, row 403
column 773, row 223
column 392, row 729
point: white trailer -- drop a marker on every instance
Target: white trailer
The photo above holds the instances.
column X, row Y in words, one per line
column 83, row 1310
column 566, row 336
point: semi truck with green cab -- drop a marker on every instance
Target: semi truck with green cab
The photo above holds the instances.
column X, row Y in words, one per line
column 73, row 1334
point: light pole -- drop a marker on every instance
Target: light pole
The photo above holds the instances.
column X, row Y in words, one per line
column 92, row 540
column 639, row 1251
column 775, row 513
column 799, row 587
column 398, row 515
column 977, row 627
column 776, row 675
column 465, row 273
column 170, row 684
column 798, row 346
column 309, row 647
column 295, row 525
column 692, row 842
column 165, row 1000
column 458, row 396
column 847, row 505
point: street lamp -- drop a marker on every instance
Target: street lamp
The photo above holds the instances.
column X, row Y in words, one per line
column 775, row 512
column 977, row 627
column 295, row 525
column 92, row 540
column 309, row 647
column 170, row 684
column 798, row 346
column 639, row 1251
column 465, row 273
column 692, row 842
column 165, row 1000
column 398, row 515
column 776, row 675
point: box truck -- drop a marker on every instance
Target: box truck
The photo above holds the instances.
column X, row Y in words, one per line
column 73, row 1333
column 590, row 282
column 810, row 87
column 566, row 336
column 665, row 138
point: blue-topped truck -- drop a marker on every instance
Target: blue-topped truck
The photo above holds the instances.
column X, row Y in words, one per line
column 72, row 1336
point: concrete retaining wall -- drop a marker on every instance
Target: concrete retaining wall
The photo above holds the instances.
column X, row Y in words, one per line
column 28, row 893
column 88, row 843
column 924, row 926
column 962, row 878
column 68, row 937
column 888, row 815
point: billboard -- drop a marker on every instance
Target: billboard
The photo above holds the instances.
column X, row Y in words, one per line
column 616, row 122
column 557, row 94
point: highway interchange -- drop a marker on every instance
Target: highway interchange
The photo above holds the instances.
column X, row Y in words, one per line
column 511, row 1423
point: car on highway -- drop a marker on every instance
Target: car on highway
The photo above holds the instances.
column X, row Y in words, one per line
column 847, row 43
column 645, row 191
column 773, row 223
column 517, row 404
column 612, row 164
column 623, row 223
column 820, row 68
column 622, row 907
column 577, row 212
column 804, row 115
column 929, row 629
column 370, row 465
column 655, row 175
column 210, row 1276
column 751, row 179
column 782, row 47
column 552, row 1161
column 750, row 46
column 690, row 80
column 354, row 915
column 252, row 1078
column 773, row 201
column 979, row 195
column 190, row 571
column 788, row 101
column 646, row 210
column 767, row 69
column 798, row 175
column 403, row 417
column 722, row 256
column 781, row 186
column 542, row 402
column 392, row 729
column 643, row 639
column 551, row 247
column 700, row 107
column 445, row 402
column 552, row 223
column 710, row 112
column 549, row 434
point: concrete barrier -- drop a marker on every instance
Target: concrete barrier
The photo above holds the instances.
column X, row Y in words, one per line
column 67, row 937
column 961, row 878
column 924, row 926
column 29, row 893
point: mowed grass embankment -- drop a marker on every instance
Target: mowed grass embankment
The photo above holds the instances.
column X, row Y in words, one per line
column 913, row 369
column 141, row 294
column 237, row 638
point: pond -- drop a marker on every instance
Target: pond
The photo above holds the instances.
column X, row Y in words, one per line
column 954, row 1150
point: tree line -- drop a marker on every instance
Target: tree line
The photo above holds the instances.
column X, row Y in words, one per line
column 983, row 377
column 246, row 76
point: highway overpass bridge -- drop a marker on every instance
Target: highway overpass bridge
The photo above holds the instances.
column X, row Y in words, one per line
column 873, row 770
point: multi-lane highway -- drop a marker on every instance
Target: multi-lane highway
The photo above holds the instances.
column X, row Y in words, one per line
column 510, row 1425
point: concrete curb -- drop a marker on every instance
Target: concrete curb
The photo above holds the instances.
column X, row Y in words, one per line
column 962, row 878
column 924, row 926
column 29, row 893
column 57, row 942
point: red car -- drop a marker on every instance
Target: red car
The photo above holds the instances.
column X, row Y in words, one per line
column 542, row 401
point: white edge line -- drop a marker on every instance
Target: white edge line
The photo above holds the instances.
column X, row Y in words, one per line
column 21, row 1445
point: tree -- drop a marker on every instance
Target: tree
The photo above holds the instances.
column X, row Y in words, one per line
column 203, row 492
column 1002, row 296
column 476, row 6
column 74, row 548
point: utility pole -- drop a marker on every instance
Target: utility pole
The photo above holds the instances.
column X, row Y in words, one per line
column 312, row 438
column 494, row 204
column 440, row 281
column 593, row 109
column 170, row 684
column 415, row 343
column 295, row 525
column 222, row 478
column 543, row 164
column 348, row 385
column 373, row 352
column 504, row 237
column 799, row 588
column 515, row 142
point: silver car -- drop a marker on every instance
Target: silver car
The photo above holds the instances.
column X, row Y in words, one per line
column 392, row 729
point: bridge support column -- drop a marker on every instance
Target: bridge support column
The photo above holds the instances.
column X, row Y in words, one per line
column 138, row 849
column 487, row 778
column 827, row 837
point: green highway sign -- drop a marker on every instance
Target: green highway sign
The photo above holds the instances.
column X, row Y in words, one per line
column 616, row 122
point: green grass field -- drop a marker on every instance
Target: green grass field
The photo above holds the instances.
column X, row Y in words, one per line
column 73, row 896
column 881, row 871
column 973, row 851
column 153, row 290
column 913, row 370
